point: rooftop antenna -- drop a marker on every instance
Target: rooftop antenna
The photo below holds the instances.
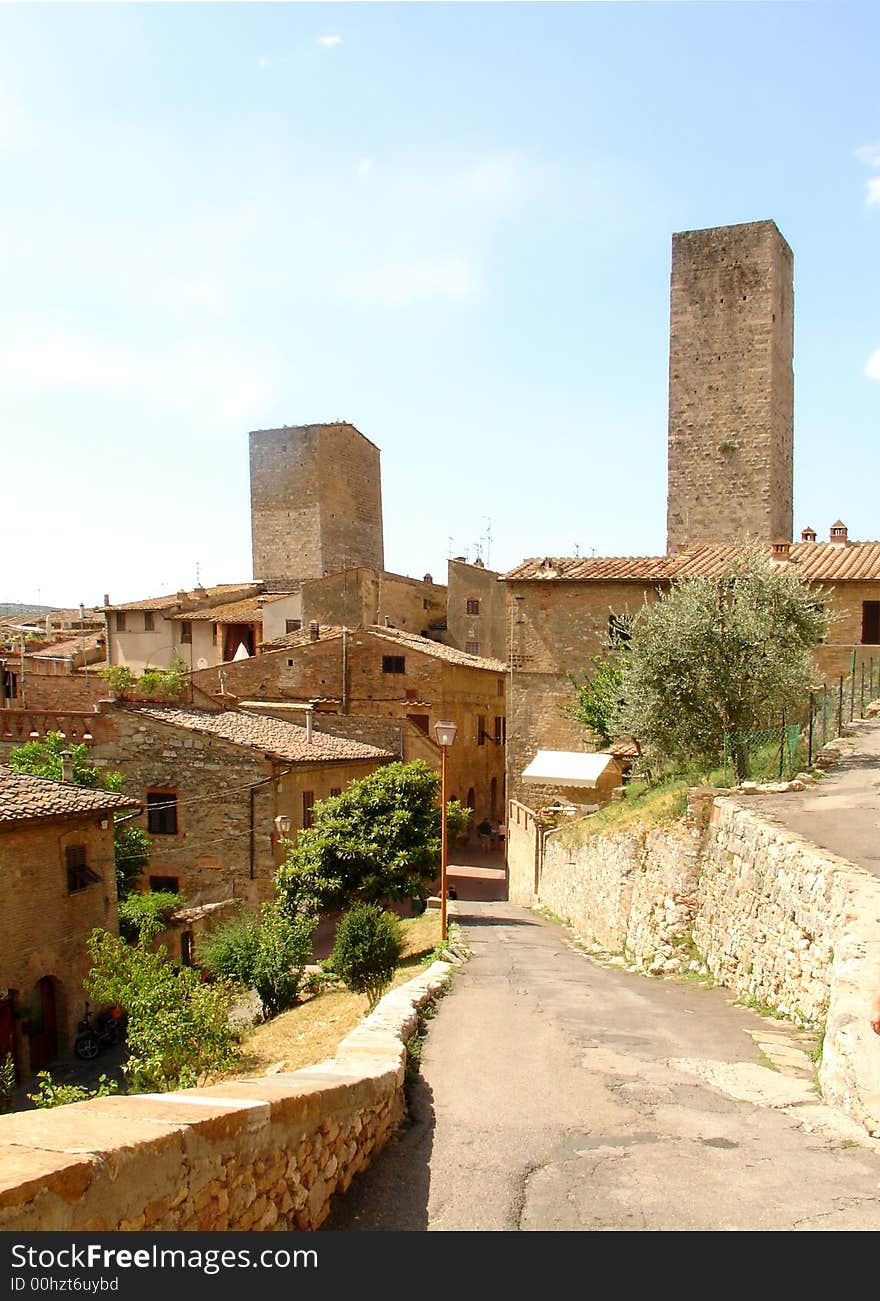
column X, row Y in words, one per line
column 488, row 536
column 577, row 548
column 198, row 579
column 451, row 541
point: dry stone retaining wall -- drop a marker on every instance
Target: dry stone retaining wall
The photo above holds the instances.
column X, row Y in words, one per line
column 767, row 914
column 263, row 1154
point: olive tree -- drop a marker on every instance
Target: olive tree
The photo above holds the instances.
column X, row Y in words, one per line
column 720, row 657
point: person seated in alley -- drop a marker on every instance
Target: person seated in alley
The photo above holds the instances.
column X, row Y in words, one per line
column 484, row 831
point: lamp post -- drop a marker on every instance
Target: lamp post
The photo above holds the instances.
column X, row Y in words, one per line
column 445, row 735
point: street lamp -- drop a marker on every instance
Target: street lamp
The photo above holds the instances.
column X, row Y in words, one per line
column 282, row 826
column 445, row 735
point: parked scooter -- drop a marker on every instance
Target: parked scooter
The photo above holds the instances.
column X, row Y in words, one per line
column 98, row 1030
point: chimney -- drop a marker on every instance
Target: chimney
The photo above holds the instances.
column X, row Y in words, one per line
column 314, row 630
column 106, row 598
column 808, row 535
column 838, row 534
column 780, row 549
column 66, row 766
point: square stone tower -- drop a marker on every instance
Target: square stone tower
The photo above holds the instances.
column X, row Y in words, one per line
column 730, row 386
column 316, row 502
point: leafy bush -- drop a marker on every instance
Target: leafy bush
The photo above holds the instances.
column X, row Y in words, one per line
column 118, row 676
column 379, row 839
column 45, row 759
column 7, row 1083
column 145, row 915
column 367, row 949
column 267, row 953
column 52, row 1094
column 131, row 852
column 179, row 1031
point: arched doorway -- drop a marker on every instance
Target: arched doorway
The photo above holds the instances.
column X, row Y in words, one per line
column 44, row 1027
column 7, row 1028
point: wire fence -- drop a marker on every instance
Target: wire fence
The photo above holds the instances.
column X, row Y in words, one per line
column 837, row 703
column 780, row 752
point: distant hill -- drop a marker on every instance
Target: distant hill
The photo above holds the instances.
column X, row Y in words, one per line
column 16, row 608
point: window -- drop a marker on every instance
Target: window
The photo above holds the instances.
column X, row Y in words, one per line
column 472, row 647
column 308, row 808
column 335, row 790
column 186, row 632
column 426, row 604
column 79, row 875
column 871, row 623
column 501, row 686
column 500, row 730
column 292, row 625
column 618, row 629
column 162, row 813
column 420, row 721
column 472, row 605
column 481, row 730
column 290, row 664
column 120, row 621
column 10, row 686
column 393, row 663
column 165, row 884
column 148, row 621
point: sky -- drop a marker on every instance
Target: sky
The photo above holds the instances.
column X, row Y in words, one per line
column 447, row 223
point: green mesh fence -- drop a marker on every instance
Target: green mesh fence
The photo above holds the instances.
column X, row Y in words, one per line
column 774, row 754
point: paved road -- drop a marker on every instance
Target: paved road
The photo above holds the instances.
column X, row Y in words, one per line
column 559, row 1094
column 842, row 813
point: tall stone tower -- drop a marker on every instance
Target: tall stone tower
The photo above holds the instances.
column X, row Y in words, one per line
column 316, row 502
column 730, row 386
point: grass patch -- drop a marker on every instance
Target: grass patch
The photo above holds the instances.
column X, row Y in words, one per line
column 311, row 1032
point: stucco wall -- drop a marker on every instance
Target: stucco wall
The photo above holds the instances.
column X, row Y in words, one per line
column 265, row 1154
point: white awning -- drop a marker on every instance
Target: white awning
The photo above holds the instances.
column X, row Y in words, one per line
column 567, row 768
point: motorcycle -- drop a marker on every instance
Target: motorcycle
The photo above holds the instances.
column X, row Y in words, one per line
column 98, row 1030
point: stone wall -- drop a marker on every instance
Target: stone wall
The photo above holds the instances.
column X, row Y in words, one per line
column 766, row 914
column 485, row 624
column 316, row 502
column 362, row 596
column 730, row 385
column 264, row 1154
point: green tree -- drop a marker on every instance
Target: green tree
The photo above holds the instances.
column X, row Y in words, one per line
column 721, row 657
column 598, row 699
column 267, row 953
column 379, row 839
column 144, row 916
column 131, row 845
column 179, row 1031
column 51, row 1093
column 44, row 759
column 366, row 950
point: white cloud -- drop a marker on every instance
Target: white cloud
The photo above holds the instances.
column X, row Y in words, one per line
column 869, row 154
column 328, row 40
column 263, row 62
column 365, row 166
column 401, row 283
column 872, row 366
column 872, row 192
column 62, row 363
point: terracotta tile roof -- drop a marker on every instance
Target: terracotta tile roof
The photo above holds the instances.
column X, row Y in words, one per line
column 272, row 736
column 246, row 611
column 397, row 637
column 424, row 645
column 201, row 597
column 819, row 561
column 24, row 798
column 71, row 646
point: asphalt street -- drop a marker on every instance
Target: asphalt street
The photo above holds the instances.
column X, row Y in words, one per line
column 557, row 1093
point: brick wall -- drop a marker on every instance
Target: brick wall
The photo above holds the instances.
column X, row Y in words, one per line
column 487, row 626
column 730, row 385
column 43, row 928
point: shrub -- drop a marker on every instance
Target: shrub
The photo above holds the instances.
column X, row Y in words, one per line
column 367, row 950
column 179, row 1031
column 52, row 1094
column 118, row 677
column 7, row 1083
column 145, row 915
column 267, row 953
